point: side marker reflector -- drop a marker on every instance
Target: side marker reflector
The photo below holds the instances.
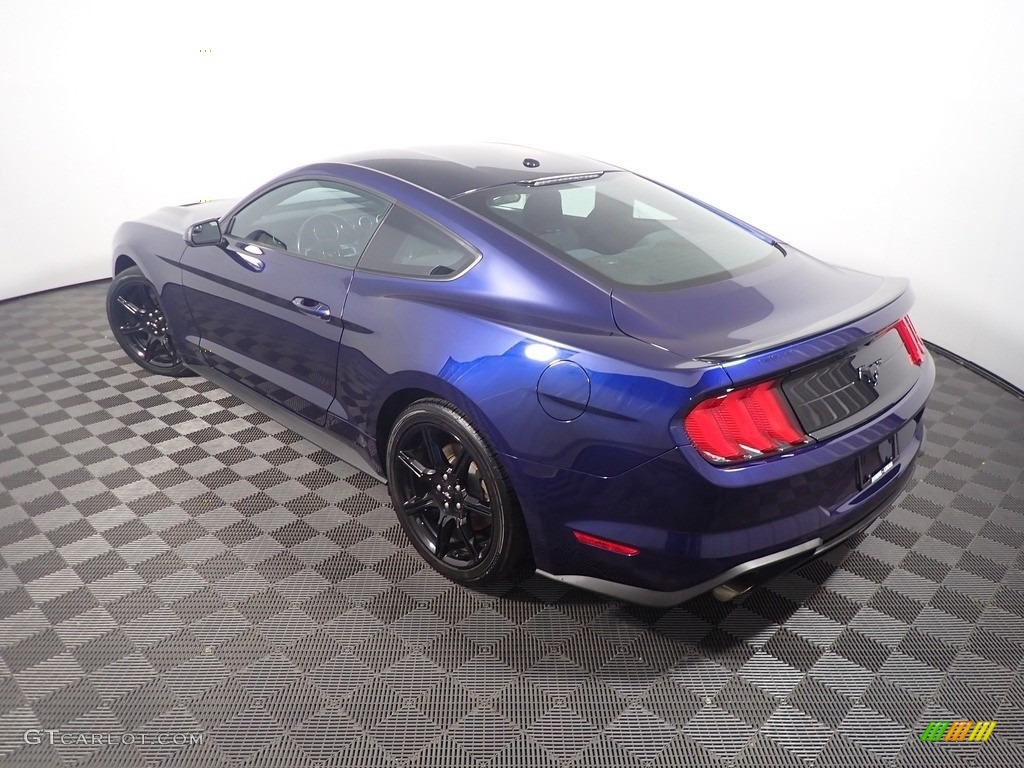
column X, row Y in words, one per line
column 605, row 544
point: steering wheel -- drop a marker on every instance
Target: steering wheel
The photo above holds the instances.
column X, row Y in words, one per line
column 326, row 236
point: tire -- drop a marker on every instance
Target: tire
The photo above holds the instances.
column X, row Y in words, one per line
column 452, row 496
column 139, row 325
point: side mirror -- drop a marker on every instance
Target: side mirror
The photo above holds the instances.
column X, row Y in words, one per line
column 204, row 233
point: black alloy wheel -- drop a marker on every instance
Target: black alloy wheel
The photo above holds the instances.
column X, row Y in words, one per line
column 139, row 325
column 452, row 496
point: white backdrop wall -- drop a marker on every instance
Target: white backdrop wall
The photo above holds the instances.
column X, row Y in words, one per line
column 886, row 136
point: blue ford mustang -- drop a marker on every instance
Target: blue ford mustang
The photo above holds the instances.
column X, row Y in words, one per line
column 547, row 357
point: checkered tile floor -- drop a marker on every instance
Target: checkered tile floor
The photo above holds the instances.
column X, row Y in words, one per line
column 183, row 582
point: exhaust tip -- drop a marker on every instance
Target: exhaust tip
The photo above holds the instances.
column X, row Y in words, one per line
column 730, row 590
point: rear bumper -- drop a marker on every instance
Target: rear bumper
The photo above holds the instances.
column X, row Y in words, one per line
column 696, row 529
column 751, row 572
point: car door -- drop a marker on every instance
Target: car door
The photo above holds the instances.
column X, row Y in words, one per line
column 268, row 300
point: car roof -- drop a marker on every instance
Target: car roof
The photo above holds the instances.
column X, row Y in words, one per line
column 451, row 170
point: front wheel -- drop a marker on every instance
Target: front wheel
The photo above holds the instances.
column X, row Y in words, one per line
column 452, row 496
column 139, row 325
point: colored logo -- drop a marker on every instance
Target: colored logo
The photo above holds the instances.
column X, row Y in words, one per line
column 958, row 730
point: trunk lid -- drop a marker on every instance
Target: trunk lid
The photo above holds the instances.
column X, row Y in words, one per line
column 796, row 298
column 826, row 334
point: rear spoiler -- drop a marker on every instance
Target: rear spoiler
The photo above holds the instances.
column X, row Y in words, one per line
column 890, row 290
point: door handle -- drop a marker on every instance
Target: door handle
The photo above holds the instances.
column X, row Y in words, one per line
column 312, row 307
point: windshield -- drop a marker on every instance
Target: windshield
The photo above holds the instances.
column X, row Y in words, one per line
column 627, row 229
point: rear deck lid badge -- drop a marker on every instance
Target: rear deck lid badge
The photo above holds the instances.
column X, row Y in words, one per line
column 869, row 373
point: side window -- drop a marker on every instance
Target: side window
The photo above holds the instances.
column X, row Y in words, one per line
column 318, row 220
column 578, row 201
column 408, row 245
column 510, row 202
column 642, row 210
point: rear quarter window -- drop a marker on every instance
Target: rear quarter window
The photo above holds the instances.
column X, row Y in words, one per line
column 407, row 244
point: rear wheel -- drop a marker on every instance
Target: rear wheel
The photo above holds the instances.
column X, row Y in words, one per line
column 452, row 496
column 139, row 325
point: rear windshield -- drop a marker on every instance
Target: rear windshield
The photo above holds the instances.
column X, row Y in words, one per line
column 625, row 228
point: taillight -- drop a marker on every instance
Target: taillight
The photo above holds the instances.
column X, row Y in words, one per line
column 913, row 343
column 743, row 424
